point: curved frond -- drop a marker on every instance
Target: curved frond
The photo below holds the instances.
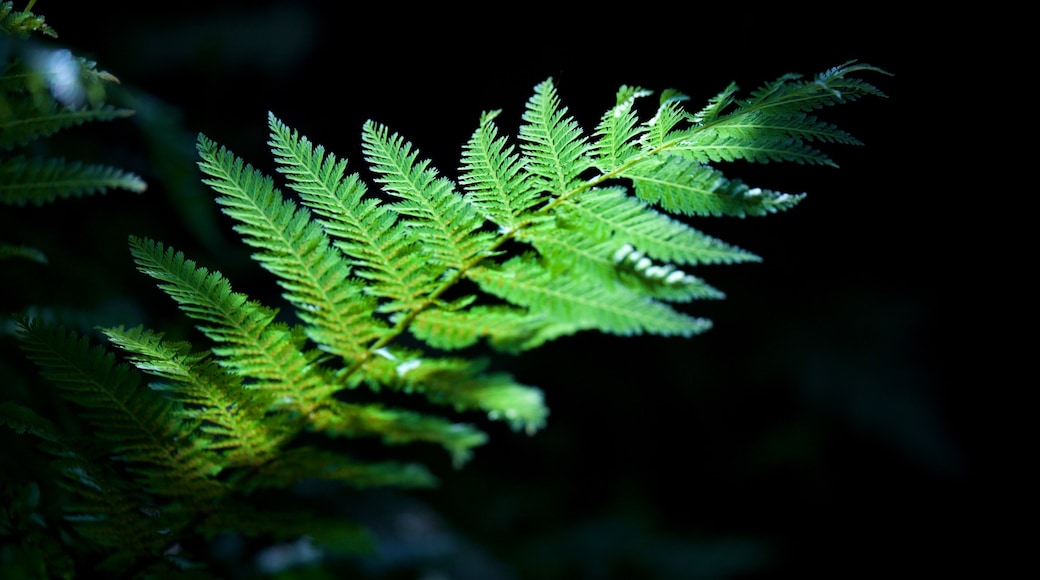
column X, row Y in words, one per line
column 307, row 463
column 555, row 150
column 619, row 130
column 496, row 178
column 226, row 417
column 8, row 251
column 249, row 341
column 504, row 327
column 295, row 248
column 22, row 23
column 613, row 214
column 367, row 231
column 395, row 426
column 571, row 300
column 41, row 181
column 137, row 425
column 444, row 223
column 680, row 185
column 28, row 123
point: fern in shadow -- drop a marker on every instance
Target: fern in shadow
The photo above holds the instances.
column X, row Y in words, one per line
column 554, row 233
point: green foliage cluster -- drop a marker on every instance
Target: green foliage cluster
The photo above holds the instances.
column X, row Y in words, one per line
column 45, row 91
column 392, row 295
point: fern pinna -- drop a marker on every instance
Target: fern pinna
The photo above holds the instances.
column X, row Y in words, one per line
column 536, row 239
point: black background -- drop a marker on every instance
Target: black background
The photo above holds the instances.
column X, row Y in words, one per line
column 822, row 428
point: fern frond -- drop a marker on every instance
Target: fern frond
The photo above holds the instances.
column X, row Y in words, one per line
column 497, row 394
column 138, row 426
column 225, row 415
column 8, row 251
column 249, row 341
column 683, row 186
column 28, row 123
column 831, row 87
column 524, row 281
column 394, row 427
column 367, row 231
column 108, row 392
column 556, row 152
column 42, row 181
column 496, row 177
column 22, row 23
column 306, row 463
column 773, row 124
column 715, row 144
column 24, row 420
column 610, row 212
column 504, row 327
column 111, row 512
column 716, row 106
column 619, row 130
column 442, row 221
column 294, row 248
column 577, row 254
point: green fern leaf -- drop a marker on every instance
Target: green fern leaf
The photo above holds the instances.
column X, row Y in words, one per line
column 556, row 153
column 293, row 247
column 27, row 123
column 249, row 341
column 444, row 222
column 24, row 420
column 523, row 281
column 679, row 185
column 367, row 231
column 138, row 426
column 42, row 181
column 337, row 419
column 496, row 177
column 612, row 214
column 505, row 327
column 225, row 415
column 306, row 463
column 22, row 23
column 619, row 130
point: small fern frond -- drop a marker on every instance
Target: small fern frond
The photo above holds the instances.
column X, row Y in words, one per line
column 138, row 426
column 42, row 181
column 307, row 463
column 249, row 341
column 496, row 178
column 110, row 512
column 28, row 123
column 556, row 152
column 24, row 420
column 619, row 130
column 225, row 416
column 504, row 327
column 364, row 229
column 831, row 87
column 716, row 106
column 8, row 251
column 497, row 394
column 444, row 222
column 22, row 23
column 395, row 427
column 294, row 248
column 572, row 301
column 611, row 213
column 680, row 185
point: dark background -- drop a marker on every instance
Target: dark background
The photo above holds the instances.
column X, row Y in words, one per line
column 822, row 428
